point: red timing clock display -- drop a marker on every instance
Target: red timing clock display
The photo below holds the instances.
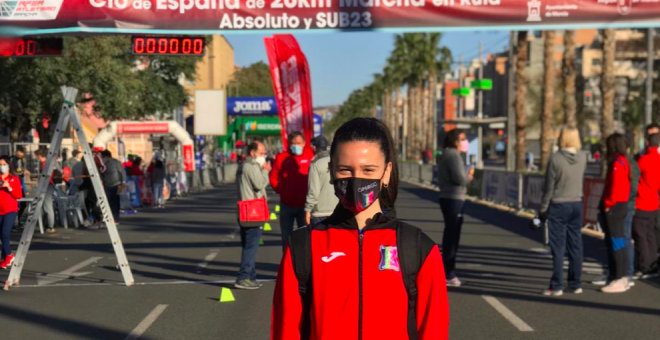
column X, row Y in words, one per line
column 27, row 47
column 145, row 45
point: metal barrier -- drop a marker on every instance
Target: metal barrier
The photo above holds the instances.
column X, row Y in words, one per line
column 516, row 190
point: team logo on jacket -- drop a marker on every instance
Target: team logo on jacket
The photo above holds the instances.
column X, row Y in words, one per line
column 389, row 258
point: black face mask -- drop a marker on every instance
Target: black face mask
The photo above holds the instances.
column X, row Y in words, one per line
column 357, row 194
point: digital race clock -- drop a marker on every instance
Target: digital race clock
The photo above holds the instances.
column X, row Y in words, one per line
column 27, row 47
column 145, row 45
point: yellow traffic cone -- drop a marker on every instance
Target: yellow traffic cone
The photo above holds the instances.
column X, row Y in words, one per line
column 277, row 208
column 273, row 217
column 261, row 242
column 267, row 227
column 226, row 295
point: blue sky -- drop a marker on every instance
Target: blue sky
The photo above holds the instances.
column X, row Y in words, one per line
column 342, row 62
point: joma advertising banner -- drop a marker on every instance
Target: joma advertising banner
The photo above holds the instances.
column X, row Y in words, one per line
column 292, row 85
column 263, row 15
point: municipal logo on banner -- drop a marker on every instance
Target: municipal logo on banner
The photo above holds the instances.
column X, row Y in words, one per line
column 389, row 258
column 30, row 10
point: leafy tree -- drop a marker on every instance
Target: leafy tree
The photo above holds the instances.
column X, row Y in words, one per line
column 122, row 85
column 252, row 81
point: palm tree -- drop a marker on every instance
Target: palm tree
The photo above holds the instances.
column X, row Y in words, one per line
column 521, row 93
column 547, row 133
column 570, row 75
column 607, row 90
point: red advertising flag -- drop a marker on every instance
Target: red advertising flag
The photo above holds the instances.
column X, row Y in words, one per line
column 271, row 51
column 292, row 85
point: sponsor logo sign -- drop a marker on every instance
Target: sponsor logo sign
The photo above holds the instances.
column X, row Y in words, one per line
column 29, row 9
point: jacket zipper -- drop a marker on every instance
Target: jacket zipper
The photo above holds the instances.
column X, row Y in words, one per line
column 360, row 236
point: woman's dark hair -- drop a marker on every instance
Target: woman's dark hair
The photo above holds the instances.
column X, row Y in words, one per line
column 372, row 130
column 11, row 166
column 158, row 164
column 617, row 144
column 451, row 138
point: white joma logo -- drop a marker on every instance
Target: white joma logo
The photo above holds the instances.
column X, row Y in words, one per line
column 332, row 256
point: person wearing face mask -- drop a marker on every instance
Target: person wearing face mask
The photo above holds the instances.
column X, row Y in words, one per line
column 289, row 178
column 562, row 207
column 321, row 199
column 453, row 180
column 10, row 192
column 360, row 273
column 252, row 182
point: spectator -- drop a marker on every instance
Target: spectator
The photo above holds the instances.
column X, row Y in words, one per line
column 252, row 181
column 88, row 196
column 114, row 178
column 48, row 199
column 10, row 193
column 613, row 210
column 321, row 199
column 71, row 162
column 647, row 204
column 289, row 178
column 157, row 181
column 453, row 181
column 136, row 168
column 20, row 169
column 328, row 260
column 652, row 129
column 562, row 207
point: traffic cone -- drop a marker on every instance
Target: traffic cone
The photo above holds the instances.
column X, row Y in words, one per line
column 277, row 208
column 261, row 242
column 273, row 217
column 226, row 295
column 267, row 227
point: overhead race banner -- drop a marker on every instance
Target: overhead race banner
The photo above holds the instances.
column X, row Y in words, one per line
column 227, row 15
column 292, row 85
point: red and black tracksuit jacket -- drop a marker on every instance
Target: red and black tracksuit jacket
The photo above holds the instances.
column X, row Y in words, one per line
column 649, row 181
column 357, row 289
column 617, row 184
column 289, row 177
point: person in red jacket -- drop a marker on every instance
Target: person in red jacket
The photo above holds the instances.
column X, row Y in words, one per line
column 356, row 288
column 289, row 179
column 10, row 192
column 613, row 211
column 647, row 204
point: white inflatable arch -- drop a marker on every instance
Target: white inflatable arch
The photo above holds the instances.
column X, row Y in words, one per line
column 133, row 127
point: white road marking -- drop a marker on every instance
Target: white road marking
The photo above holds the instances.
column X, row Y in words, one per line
column 508, row 314
column 155, row 283
column 472, row 265
column 146, row 323
column 67, row 273
column 206, row 261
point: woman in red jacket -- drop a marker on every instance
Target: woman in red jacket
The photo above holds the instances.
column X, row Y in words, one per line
column 10, row 192
column 359, row 274
column 614, row 207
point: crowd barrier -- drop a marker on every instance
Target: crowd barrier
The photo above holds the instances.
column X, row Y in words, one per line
column 516, row 190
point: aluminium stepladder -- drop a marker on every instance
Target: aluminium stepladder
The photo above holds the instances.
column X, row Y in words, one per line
column 68, row 113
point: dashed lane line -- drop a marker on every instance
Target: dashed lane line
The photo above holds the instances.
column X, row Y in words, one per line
column 67, row 273
column 206, row 261
column 146, row 323
column 155, row 283
column 508, row 314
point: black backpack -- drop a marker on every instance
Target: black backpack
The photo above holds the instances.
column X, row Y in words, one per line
column 408, row 239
